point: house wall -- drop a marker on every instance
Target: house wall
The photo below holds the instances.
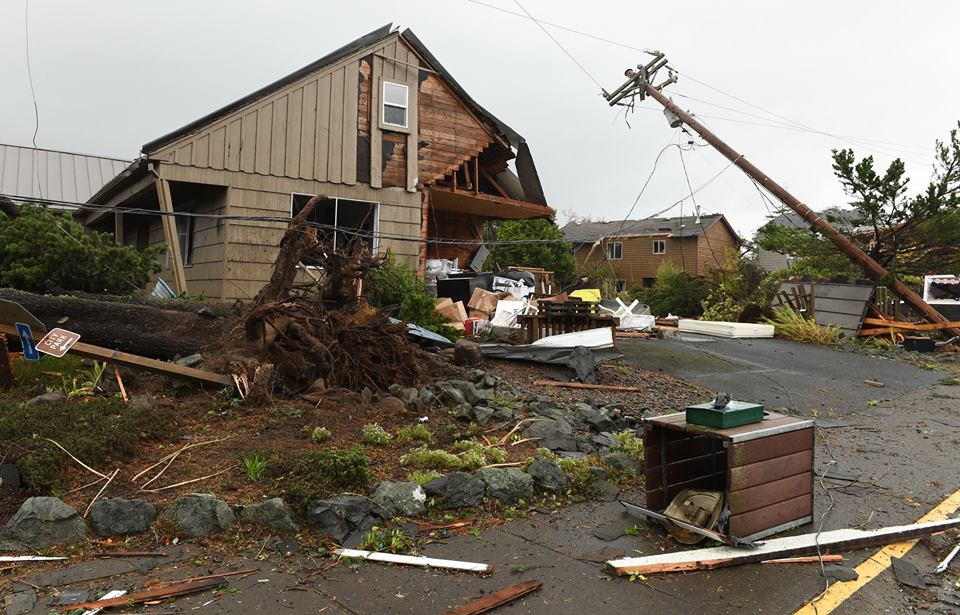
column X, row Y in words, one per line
column 713, row 247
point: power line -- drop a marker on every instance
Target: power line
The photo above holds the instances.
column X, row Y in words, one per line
column 562, row 48
column 33, row 93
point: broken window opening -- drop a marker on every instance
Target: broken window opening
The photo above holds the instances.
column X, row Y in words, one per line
column 659, row 246
column 340, row 220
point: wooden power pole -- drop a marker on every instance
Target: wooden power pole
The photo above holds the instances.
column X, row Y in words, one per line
column 640, row 85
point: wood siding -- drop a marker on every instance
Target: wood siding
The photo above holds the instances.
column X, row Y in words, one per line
column 449, row 133
column 699, row 255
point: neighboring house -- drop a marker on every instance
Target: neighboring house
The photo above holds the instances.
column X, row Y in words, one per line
column 774, row 261
column 635, row 249
column 379, row 127
column 58, row 179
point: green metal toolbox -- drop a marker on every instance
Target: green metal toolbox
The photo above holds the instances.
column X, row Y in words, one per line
column 734, row 414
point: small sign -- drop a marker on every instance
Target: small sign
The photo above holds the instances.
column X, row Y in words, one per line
column 58, row 342
column 27, row 342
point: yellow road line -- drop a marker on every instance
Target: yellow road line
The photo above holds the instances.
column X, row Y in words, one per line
column 875, row 564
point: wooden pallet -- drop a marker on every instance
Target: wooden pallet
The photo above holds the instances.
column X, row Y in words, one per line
column 557, row 317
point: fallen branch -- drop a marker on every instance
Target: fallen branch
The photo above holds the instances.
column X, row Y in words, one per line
column 429, row 527
column 581, row 385
column 193, row 480
column 123, row 390
column 85, row 466
column 504, row 439
column 169, row 458
column 413, row 560
column 496, row 599
column 162, row 593
column 99, row 493
column 219, row 575
column 512, row 464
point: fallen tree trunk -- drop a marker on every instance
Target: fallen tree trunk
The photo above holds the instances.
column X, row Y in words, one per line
column 137, row 328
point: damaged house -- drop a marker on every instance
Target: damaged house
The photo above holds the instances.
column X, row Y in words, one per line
column 635, row 249
column 401, row 151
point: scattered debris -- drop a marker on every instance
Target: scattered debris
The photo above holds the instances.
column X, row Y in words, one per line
column 907, row 574
column 581, row 385
column 116, row 593
column 108, row 554
column 28, row 558
column 496, row 599
column 414, row 560
column 945, row 562
column 805, row 544
column 875, row 383
column 738, row 330
column 806, row 559
column 167, row 589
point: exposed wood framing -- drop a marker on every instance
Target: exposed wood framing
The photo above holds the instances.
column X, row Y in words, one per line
column 170, row 231
column 424, row 225
column 493, row 182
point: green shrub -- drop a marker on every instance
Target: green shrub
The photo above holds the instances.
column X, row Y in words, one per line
column 41, row 251
column 375, row 435
column 382, row 539
column 416, row 433
column 311, row 475
column 674, row 292
column 628, row 442
column 395, row 286
column 740, row 287
column 431, row 459
column 792, row 325
column 555, row 255
column 320, row 434
column 98, row 431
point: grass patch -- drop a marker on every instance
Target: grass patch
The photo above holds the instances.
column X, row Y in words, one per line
column 373, row 434
column 382, row 539
column 49, row 372
column 255, row 465
column 629, row 443
column 312, row 475
column 422, row 477
column 952, row 381
column 792, row 325
column 97, row 431
column 416, row 433
column 430, row 459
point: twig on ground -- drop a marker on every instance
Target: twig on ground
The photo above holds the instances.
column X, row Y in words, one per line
column 512, row 464
column 525, row 440
column 123, row 390
column 102, row 489
column 170, row 457
column 194, row 480
column 504, row 439
column 69, row 454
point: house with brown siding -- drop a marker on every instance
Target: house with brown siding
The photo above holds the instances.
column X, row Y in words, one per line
column 402, row 154
column 632, row 250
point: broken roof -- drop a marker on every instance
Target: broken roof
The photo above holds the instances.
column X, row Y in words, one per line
column 371, row 38
column 34, row 173
column 687, row 226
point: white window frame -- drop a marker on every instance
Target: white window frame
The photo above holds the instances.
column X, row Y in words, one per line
column 663, row 246
column 611, row 250
column 384, row 104
column 375, row 241
column 620, row 286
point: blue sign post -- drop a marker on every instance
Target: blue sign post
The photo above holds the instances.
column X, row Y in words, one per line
column 30, row 352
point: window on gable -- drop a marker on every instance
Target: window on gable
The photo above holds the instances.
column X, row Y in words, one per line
column 339, row 220
column 659, row 246
column 614, row 250
column 395, row 97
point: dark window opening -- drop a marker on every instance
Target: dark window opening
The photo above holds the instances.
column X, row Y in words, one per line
column 340, row 220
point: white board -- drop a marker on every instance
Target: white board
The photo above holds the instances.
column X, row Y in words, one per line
column 726, row 329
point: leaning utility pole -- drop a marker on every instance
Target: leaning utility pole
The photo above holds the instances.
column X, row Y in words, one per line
column 639, row 85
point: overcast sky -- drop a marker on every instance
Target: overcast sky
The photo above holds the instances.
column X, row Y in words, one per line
column 112, row 75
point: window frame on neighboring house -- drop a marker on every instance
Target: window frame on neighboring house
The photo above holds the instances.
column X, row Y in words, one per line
column 611, row 250
column 393, row 105
column 620, row 286
column 374, row 242
column 663, row 246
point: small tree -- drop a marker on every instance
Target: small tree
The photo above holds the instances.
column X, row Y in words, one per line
column 674, row 292
column 397, row 287
column 42, row 252
column 553, row 255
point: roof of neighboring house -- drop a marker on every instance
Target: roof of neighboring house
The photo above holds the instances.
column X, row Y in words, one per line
column 368, row 39
column 687, row 226
column 840, row 219
column 34, row 173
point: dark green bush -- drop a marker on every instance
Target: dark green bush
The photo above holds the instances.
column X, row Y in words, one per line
column 312, row 475
column 674, row 292
column 42, row 252
column 98, row 431
column 395, row 286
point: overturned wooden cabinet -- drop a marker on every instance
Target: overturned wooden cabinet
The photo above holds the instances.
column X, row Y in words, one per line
column 765, row 470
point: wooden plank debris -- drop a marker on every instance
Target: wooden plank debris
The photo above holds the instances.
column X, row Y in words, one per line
column 777, row 548
column 162, row 591
column 116, row 593
column 131, row 360
column 581, row 385
column 414, row 560
column 893, row 324
column 107, row 554
column 5, row 559
column 807, row 559
column 496, row 599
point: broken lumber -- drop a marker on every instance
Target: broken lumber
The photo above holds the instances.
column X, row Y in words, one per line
column 137, row 362
column 807, row 559
column 108, row 554
column 581, row 385
column 777, row 548
column 162, row 593
column 413, row 560
column 4, row 559
column 893, row 324
column 496, row 599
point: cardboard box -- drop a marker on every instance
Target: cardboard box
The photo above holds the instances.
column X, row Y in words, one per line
column 455, row 312
column 483, row 300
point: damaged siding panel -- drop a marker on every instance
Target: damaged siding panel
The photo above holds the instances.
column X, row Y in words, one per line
column 394, row 159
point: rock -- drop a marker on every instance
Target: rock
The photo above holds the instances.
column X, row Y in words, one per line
column 623, row 461
column 584, row 445
column 839, row 572
column 502, row 413
column 470, row 392
column 604, row 440
column 395, row 389
column 547, row 474
column 272, row 513
column 561, row 446
column 191, row 360
column 449, row 394
column 466, row 352
column 366, row 396
column 456, row 490
column 44, row 521
column 117, row 516
column 390, row 405
column 399, row 499
column 598, row 419
column 199, row 514
column 142, row 403
column 346, row 519
column 9, row 475
column 606, row 491
column 548, row 429
column 462, row 411
column 411, row 398
column 507, row 485
column 477, row 376
column 21, row 602
column 482, row 414
column 47, row 398
column 907, row 574
column 491, row 382
column 547, row 410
